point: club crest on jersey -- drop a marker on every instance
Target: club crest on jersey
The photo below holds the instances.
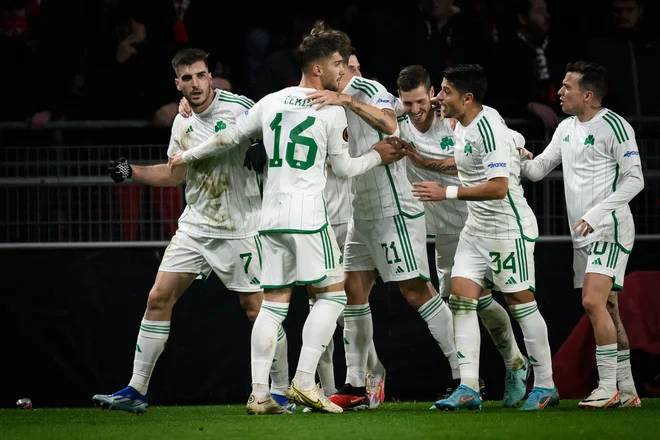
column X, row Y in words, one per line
column 345, row 135
column 589, row 141
column 446, row 142
column 468, row 148
column 220, row 125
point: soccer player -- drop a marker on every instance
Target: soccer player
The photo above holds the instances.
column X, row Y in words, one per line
column 386, row 236
column 299, row 246
column 429, row 138
column 217, row 230
column 339, row 198
column 602, row 174
column 497, row 241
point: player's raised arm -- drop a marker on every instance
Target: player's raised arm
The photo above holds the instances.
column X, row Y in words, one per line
column 382, row 119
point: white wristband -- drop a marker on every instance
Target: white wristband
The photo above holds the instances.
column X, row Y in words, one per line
column 452, row 192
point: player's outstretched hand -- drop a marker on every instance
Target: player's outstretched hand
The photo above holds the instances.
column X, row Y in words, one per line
column 184, row 108
column 120, row 170
column 390, row 150
column 256, row 157
column 429, row 191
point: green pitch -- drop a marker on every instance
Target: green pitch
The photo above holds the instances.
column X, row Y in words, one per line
column 392, row 420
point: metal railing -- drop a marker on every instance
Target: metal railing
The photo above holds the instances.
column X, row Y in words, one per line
column 61, row 195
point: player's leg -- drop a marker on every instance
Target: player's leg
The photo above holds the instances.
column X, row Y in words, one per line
column 512, row 265
column 326, row 369
column 599, row 265
column 279, row 370
column 414, row 283
column 237, row 262
column 318, row 263
column 624, row 379
column 467, row 283
column 277, row 278
column 498, row 324
column 445, row 251
column 181, row 264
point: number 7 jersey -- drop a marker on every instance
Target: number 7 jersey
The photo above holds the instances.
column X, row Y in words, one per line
column 298, row 139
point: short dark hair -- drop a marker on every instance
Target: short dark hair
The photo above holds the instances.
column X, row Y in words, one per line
column 594, row 77
column 321, row 43
column 188, row 57
column 468, row 78
column 412, row 77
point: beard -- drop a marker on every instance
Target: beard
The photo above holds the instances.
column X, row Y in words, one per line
column 331, row 85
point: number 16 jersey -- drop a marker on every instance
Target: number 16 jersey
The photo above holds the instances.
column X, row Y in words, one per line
column 298, row 139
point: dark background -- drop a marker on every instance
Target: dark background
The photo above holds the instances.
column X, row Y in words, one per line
column 71, row 317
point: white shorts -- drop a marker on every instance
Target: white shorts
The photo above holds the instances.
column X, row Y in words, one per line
column 445, row 250
column 296, row 258
column 505, row 265
column 236, row 261
column 340, row 232
column 395, row 247
column 600, row 257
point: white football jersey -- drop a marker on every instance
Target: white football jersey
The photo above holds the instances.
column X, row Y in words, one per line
column 222, row 196
column 594, row 155
column 449, row 216
column 298, row 139
column 383, row 191
column 484, row 150
column 338, row 198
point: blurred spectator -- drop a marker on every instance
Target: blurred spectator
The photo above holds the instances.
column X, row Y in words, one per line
column 127, row 72
column 37, row 39
column 433, row 33
column 527, row 66
column 629, row 49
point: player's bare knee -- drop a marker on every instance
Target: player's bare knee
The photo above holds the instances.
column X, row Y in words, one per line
column 592, row 304
column 517, row 298
column 415, row 291
column 160, row 298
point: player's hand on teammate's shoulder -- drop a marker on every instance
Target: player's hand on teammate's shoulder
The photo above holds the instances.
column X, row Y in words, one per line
column 390, row 150
column 184, row 108
column 429, row 191
column 120, row 170
column 321, row 98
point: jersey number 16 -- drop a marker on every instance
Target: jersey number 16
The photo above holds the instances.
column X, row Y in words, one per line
column 295, row 137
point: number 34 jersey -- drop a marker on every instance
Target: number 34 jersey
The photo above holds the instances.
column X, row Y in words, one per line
column 298, row 139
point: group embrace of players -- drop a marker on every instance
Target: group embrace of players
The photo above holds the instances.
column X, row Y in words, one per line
column 336, row 182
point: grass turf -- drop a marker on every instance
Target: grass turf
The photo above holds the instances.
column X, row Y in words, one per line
column 392, row 420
